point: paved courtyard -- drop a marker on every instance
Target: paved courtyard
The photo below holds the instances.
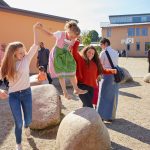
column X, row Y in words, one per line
column 130, row 131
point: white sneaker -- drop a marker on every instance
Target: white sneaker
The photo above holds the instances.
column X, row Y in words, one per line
column 27, row 132
column 18, row 147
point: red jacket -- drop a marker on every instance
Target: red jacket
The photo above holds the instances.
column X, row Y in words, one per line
column 86, row 74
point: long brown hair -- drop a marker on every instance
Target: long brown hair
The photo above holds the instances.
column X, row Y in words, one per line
column 8, row 67
column 83, row 53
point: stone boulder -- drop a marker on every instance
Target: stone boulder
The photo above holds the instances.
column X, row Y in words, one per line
column 34, row 80
column 46, row 106
column 147, row 78
column 82, row 129
column 128, row 77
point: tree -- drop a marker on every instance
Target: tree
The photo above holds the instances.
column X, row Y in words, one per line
column 86, row 38
column 94, row 36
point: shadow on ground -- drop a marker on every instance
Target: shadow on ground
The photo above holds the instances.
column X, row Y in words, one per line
column 131, row 129
column 129, row 95
column 130, row 84
column 47, row 133
column 32, row 143
column 115, row 146
column 6, row 120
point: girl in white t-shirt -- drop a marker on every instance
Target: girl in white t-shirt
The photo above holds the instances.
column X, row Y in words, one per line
column 15, row 66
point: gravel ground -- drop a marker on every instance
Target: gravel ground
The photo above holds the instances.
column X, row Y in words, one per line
column 130, row 131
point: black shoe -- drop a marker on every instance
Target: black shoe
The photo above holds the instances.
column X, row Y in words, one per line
column 109, row 120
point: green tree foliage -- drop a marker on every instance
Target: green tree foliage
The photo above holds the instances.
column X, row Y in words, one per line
column 94, row 36
column 99, row 49
column 86, row 38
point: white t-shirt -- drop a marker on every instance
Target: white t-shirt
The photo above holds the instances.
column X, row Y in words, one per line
column 104, row 60
column 22, row 81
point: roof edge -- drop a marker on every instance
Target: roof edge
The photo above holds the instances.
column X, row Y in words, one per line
column 129, row 15
column 35, row 14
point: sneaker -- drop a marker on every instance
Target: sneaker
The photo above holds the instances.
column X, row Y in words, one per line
column 18, row 147
column 27, row 132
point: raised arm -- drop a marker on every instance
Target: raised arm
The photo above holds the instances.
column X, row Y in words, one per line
column 75, row 52
column 45, row 31
column 34, row 47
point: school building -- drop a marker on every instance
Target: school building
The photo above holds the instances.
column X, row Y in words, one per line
column 128, row 32
column 16, row 25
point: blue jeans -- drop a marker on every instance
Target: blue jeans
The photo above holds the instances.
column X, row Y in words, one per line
column 17, row 100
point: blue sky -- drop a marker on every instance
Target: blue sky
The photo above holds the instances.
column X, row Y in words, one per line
column 89, row 13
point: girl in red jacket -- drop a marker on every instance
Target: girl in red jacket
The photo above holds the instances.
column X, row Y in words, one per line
column 88, row 69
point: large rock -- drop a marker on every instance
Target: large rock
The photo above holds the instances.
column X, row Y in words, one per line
column 128, row 77
column 82, row 129
column 34, row 80
column 147, row 78
column 46, row 106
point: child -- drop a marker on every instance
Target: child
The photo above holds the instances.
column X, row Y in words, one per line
column 42, row 76
column 15, row 66
column 61, row 62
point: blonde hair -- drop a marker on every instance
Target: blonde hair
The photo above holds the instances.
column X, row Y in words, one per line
column 8, row 67
column 72, row 26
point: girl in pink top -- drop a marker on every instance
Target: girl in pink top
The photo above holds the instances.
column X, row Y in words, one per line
column 61, row 63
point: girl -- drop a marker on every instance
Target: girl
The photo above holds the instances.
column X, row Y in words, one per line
column 88, row 69
column 61, row 62
column 15, row 66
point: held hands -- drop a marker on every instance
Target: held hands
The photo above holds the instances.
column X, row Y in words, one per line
column 115, row 71
column 3, row 94
column 37, row 26
column 79, row 38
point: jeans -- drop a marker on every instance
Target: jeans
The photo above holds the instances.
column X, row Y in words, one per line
column 87, row 97
column 17, row 100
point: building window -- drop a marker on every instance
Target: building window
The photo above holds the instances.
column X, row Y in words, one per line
column 136, row 19
column 131, row 32
column 128, row 47
column 144, row 31
column 108, row 32
column 137, row 31
column 137, row 46
column 148, row 18
column 147, row 46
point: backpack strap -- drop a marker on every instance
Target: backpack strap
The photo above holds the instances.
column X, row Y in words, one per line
column 110, row 60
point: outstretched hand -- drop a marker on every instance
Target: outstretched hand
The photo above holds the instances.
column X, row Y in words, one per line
column 3, row 94
column 37, row 25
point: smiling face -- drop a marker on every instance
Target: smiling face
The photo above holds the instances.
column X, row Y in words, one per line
column 90, row 54
column 19, row 53
column 72, row 35
column 103, row 46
